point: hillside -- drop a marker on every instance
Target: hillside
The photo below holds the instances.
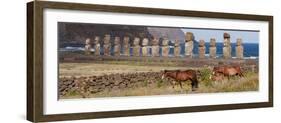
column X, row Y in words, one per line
column 78, row 32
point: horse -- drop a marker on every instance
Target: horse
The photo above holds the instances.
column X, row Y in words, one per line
column 226, row 70
column 217, row 77
column 180, row 76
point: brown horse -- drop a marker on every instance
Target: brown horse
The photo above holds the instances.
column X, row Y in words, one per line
column 227, row 70
column 180, row 76
column 217, row 77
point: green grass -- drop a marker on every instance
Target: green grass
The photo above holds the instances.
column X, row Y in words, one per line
column 205, row 77
column 235, row 84
column 145, row 83
column 72, row 93
column 159, row 83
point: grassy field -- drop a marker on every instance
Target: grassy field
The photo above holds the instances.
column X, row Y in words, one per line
column 161, row 87
column 96, row 69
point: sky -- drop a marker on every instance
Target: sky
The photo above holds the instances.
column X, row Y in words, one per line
column 206, row 34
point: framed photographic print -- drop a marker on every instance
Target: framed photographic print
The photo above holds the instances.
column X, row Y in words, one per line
column 96, row 61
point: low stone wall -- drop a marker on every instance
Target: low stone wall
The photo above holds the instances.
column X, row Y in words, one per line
column 95, row 84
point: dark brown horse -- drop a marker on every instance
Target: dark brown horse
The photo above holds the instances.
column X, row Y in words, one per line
column 181, row 76
column 227, row 70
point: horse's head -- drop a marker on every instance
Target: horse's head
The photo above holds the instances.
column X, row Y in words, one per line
column 216, row 71
column 164, row 72
column 215, row 76
column 169, row 73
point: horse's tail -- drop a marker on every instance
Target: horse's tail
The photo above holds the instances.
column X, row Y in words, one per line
column 198, row 73
column 194, row 81
column 194, row 84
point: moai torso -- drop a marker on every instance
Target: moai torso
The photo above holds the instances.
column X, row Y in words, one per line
column 88, row 46
column 155, row 47
column 177, row 48
column 136, row 47
column 97, row 45
column 165, row 47
column 106, row 45
column 202, row 49
column 213, row 48
column 189, row 44
column 126, row 46
column 226, row 46
column 145, row 50
column 239, row 49
column 117, row 46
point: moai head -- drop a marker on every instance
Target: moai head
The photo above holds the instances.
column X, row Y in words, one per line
column 116, row 40
column 165, row 41
column 145, row 42
column 226, row 35
column 239, row 42
column 88, row 41
column 177, row 42
column 155, row 41
column 97, row 40
column 88, row 46
column 136, row 41
column 126, row 40
column 226, row 41
column 212, row 42
column 107, row 39
column 189, row 36
column 201, row 43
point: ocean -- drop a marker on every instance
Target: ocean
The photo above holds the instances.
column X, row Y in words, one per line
column 250, row 49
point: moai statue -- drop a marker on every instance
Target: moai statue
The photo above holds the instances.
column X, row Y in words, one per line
column 165, row 47
column 136, row 47
column 202, row 49
column 213, row 48
column 145, row 50
column 239, row 49
column 126, row 46
column 155, row 47
column 189, row 44
column 226, row 46
column 117, row 46
column 177, row 48
column 106, row 45
column 97, row 45
column 88, row 46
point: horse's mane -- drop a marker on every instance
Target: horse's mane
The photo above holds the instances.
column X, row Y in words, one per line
column 171, row 71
